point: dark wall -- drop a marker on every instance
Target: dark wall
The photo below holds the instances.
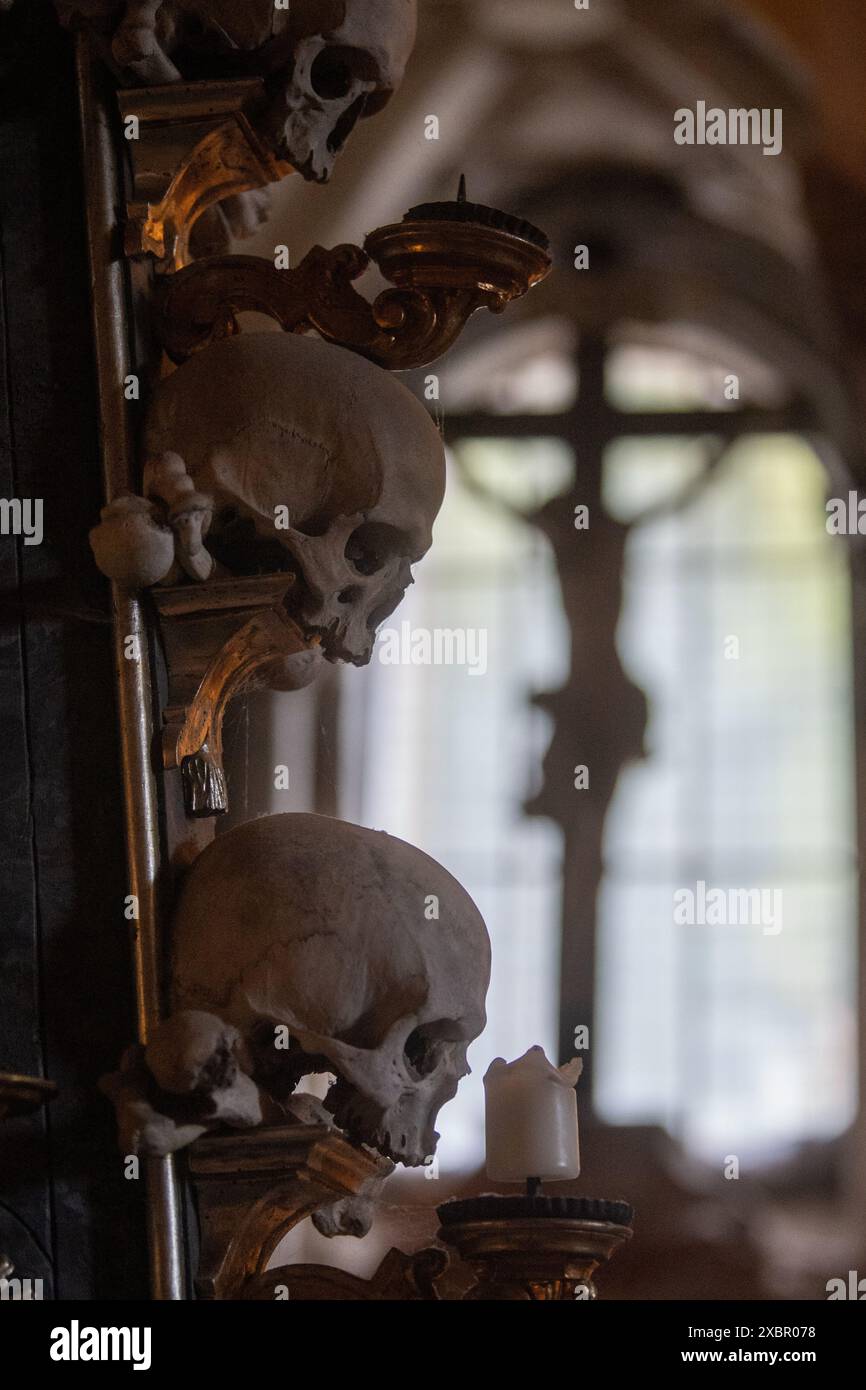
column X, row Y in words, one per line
column 67, row 1214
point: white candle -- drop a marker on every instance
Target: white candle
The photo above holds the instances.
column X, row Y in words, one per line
column 531, row 1118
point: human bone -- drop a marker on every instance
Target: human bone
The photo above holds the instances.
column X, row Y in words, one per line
column 158, row 538
column 326, row 63
column 348, row 1216
column 304, row 930
column 318, row 462
column 189, row 1079
column 131, row 544
column 190, row 517
column 193, row 1051
column 342, row 70
column 351, row 1216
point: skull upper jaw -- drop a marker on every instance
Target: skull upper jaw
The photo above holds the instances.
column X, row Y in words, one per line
column 384, row 1096
column 345, row 625
column 403, row 1131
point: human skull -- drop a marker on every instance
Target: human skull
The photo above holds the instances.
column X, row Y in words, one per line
column 345, row 65
column 327, row 930
column 325, row 63
column 318, row 462
column 189, row 1079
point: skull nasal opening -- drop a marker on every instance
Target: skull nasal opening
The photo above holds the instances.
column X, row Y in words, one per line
column 346, row 124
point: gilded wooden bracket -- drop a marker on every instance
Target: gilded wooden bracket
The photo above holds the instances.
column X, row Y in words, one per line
column 400, row 1278
column 220, row 639
column 441, row 271
column 252, row 1188
column 192, row 145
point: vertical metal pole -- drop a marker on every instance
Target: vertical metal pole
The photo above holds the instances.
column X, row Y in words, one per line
column 134, row 689
column 856, row 1145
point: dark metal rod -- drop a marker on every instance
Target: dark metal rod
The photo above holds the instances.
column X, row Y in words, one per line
column 133, row 677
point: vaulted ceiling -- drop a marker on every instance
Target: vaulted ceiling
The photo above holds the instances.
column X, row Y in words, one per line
column 525, row 94
column 532, row 99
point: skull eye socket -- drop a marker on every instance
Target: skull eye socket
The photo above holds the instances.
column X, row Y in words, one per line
column 423, row 1049
column 370, row 548
column 331, row 75
column 422, row 1053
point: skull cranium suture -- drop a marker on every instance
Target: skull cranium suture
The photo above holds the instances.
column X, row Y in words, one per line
column 274, row 426
column 326, row 63
column 321, row 928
